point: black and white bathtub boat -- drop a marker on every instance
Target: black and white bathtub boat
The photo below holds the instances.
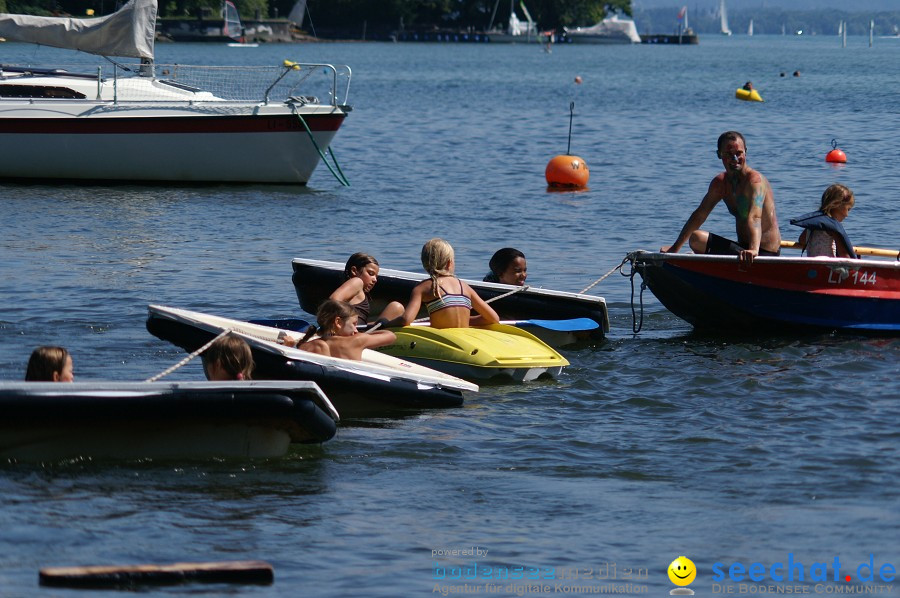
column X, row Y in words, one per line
column 315, row 280
column 51, row 421
column 377, row 385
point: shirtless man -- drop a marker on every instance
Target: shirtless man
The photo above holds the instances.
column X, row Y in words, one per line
column 748, row 196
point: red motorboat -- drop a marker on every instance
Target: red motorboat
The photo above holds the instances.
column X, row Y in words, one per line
column 717, row 292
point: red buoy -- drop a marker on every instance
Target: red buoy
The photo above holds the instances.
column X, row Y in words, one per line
column 567, row 171
column 836, row 155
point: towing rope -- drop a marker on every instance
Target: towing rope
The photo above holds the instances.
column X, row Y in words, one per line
column 187, row 359
column 339, row 175
column 599, row 280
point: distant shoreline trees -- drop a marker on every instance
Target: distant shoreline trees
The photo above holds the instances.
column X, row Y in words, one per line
column 458, row 14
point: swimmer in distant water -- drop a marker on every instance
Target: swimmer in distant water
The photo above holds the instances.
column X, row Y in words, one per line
column 508, row 266
column 748, row 86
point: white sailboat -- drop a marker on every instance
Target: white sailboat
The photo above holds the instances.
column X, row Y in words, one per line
column 750, row 28
column 723, row 19
column 232, row 26
column 517, row 31
column 840, row 28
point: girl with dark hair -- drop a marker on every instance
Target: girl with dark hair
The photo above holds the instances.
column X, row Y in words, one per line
column 50, row 364
column 361, row 273
column 508, row 266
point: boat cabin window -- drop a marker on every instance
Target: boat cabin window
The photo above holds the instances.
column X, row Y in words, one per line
column 38, row 91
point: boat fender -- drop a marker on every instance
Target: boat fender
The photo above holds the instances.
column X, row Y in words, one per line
column 819, row 220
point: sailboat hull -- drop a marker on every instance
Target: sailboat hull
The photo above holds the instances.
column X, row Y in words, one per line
column 162, row 144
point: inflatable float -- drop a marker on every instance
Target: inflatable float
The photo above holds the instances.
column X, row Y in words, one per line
column 748, row 95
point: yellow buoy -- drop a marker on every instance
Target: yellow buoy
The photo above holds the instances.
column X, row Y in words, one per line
column 748, row 95
column 567, row 171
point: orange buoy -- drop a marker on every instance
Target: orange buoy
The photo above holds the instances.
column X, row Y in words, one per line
column 836, row 155
column 567, row 171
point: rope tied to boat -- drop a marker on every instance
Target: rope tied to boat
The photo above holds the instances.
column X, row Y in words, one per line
column 604, row 277
column 187, row 359
column 339, row 175
column 636, row 324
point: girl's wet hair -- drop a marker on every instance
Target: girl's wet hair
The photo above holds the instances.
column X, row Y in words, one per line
column 501, row 260
column 330, row 310
column 359, row 261
column 44, row 362
column 233, row 355
column 436, row 257
column 836, row 195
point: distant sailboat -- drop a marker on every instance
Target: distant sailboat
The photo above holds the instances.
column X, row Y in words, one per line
column 840, row 28
column 723, row 18
column 232, row 26
column 750, row 28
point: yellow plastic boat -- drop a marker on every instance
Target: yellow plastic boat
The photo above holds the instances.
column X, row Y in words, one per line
column 748, row 95
column 483, row 353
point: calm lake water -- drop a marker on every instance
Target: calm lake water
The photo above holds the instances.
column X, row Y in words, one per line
column 648, row 447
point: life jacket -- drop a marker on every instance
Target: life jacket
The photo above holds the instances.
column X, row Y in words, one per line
column 821, row 221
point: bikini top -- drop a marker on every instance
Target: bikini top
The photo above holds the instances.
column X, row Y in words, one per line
column 821, row 221
column 449, row 300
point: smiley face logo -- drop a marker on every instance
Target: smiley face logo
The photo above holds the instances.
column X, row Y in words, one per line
column 682, row 571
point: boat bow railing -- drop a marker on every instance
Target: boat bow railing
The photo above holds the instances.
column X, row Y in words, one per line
column 129, row 83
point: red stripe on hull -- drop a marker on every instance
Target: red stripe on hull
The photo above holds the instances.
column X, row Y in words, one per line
column 287, row 123
column 869, row 278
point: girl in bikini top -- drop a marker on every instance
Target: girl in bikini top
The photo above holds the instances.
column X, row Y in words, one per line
column 449, row 300
column 437, row 258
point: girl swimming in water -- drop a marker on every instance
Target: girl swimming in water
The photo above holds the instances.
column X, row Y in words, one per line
column 228, row 358
column 50, row 364
column 508, row 266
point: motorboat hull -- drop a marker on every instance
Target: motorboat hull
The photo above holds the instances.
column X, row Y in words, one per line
column 136, row 420
column 377, row 386
column 496, row 353
column 315, row 280
column 775, row 293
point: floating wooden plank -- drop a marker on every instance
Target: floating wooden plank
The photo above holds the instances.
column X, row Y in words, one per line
column 251, row 572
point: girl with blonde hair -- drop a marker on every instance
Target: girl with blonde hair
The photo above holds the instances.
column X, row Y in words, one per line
column 448, row 300
column 825, row 234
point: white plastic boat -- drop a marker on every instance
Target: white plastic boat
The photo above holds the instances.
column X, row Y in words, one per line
column 375, row 386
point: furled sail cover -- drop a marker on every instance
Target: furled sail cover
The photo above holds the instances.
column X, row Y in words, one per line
column 130, row 31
